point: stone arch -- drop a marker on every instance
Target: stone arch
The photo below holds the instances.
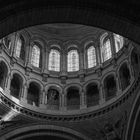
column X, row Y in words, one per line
column 16, row 85
column 3, row 74
column 48, row 130
column 110, row 86
column 33, row 93
column 133, row 122
column 124, row 76
column 72, row 44
column 38, row 81
column 40, row 39
column 92, row 94
column 13, row 71
column 56, row 86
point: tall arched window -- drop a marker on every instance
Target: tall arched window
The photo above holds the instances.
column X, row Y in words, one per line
column 54, row 60
column 35, row 59
column 73, row 61
column 106, row 50
column 91, row 55
column 18, row 47
column 118, row 42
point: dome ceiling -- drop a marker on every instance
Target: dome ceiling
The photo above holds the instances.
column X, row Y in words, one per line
column 64, row 31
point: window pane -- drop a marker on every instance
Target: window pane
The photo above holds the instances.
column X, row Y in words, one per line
column 106, row 50
column 91, row 54
column 73, row 61
column 54, row 60
column 35, row 56
column 18, row 47
column 118, row 42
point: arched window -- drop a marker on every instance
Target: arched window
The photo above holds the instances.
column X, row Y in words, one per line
column 91, row 55
column 33, row 94
column 73, row 98
column 35, row 58
column 125, row 77
column 73, row 61
column 20, row 48
column 16, row 86
column 110, row 87
column 54, row 60
column 92, row 94
column 52, row 99
column 118, row 42
column 106, row 50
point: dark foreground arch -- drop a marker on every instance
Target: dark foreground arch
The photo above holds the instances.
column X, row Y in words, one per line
column 18, row 14
column 133, row 124
column 46, row 131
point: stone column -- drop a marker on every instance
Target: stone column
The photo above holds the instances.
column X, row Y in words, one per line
column 119, row 91
column 8, row 83
column 28, row 55
column 63, row 102
column 42, row 99
column 63, row 70
column 64, row 63
column 131, row 72
column 98, row 55
column 81, row 66
column 81, row 60
column 102, row 94
column 13, row 44
column 82, row 100
column 46, row 62
column 112, row 43
column 24, row 94
column 13, row 48
column 43, row 62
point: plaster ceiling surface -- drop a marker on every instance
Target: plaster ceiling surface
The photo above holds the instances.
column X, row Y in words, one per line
column 65, row 31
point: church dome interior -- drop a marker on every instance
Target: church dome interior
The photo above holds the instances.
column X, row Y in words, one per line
column 66, row 68
column 69, row 70
column 66, row 72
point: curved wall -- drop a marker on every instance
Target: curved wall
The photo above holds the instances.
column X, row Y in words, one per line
column 62, row 83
